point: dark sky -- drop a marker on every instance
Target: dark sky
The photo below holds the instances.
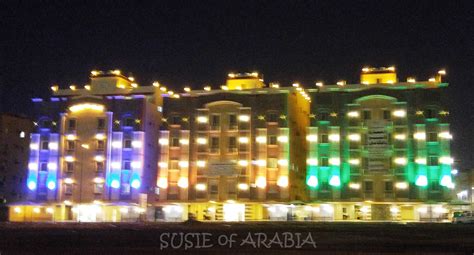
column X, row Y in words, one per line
column 195, row 42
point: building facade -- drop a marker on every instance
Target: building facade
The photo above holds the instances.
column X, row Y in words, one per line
column 464, row 189
column 93, row 155
column 115, row 151
column 14, row 143
column 380, row 149
column 233, row 153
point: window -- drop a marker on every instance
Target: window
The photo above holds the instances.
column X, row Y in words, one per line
column 174, row 164
column 324, row 116
column 100, row 145
column 324, row 138
column 99, row 167
column 367, row 114
column 214, row 144
column 70, row 145
column 126, row 165
column 231, row 187
column 272, row 117
column 324, row 161
column 434, row 186
column 272, row 140
column 44, row 145
column 388, row 186
column 215, row 122
column 100, row 123
column 272, row 163
column 430, row 113
column 386, row 114
column 69, row 167
column 324, row 186
column 432, row 160
column 43, row 166
column 127, row 143
column 368, row 186
column 213, row 188
column 125, row 182
column 432, row 137
column 71, row 124
column 174, row 142
column 46, row 123
column 232, row 121
column 98, row 188
column 128, row 122
column 68, row 189
column 232, row 144
column 175, row 120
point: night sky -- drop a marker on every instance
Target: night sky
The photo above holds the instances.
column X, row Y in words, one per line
column 196, row 42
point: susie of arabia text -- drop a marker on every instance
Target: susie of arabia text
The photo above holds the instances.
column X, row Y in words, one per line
column 189, row 240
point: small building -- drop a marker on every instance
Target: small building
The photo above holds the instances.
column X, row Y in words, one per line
column 94, row 151
column 380, row 149
column 232, row 153
column 15, row 133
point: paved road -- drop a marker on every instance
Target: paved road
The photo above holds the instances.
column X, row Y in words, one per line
column 236, row 238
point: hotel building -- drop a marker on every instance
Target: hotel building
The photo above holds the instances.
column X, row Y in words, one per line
column 232, row 153
column 116, row 151
column 94, row 152
column 380, row 149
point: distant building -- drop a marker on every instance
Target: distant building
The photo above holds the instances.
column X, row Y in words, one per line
column 93, row 154
column 465, row 187
column 232, row 153
column 380, row 149
column 14, row 147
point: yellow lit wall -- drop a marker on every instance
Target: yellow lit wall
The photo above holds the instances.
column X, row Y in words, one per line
column 244, row 83
column 298, row 112
column 377, row 78
column 109, row 82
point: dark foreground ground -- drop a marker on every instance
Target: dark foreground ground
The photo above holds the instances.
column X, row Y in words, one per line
column 233, row 238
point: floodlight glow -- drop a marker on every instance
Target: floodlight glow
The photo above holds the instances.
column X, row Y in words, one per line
column 312, row 181
column 446, row 160
column 201, row 163
column 353, row 114
column 312, row 162
column 115, row 184
column 162, row 182
column 51, row 185
column 399, row 113
column 86, row 106
column 283, row 139
column 335, row 181
column 334, row 137
column 421, row 181
column 31, row 185
column 312, row 138
column 282, row 181
column 261, row 139
column 183, row 182
column 334, row 161
column 244, row 118
column 135, row 184
column 419, row 136
column 261, row 182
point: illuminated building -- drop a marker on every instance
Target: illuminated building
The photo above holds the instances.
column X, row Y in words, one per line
column 113, row 150
column 225, row 153
column 380, row 149
column 93, row 154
